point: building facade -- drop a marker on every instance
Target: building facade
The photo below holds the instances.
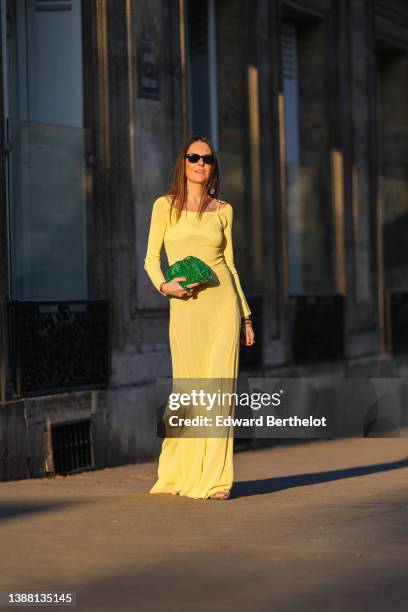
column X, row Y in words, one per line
column 306, row 102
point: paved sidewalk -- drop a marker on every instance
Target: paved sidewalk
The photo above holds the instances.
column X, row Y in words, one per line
column 317, row 526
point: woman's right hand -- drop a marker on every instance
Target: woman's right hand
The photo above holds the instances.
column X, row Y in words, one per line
column 174, row 288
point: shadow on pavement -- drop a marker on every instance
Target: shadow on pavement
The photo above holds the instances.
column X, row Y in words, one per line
column 272, row 485
column 12, row 510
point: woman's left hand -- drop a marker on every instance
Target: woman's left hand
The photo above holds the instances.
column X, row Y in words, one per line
column 247, row 335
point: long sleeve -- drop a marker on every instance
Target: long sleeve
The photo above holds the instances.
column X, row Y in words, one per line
column 158, row 225
column 229, row 258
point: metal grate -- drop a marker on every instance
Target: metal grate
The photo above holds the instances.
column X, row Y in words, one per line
column 72, row 447
column 58, row 345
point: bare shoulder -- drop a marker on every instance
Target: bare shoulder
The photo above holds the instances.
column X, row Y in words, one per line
column 225, row 206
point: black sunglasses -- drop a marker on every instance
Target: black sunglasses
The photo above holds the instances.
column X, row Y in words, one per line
column 194, row 157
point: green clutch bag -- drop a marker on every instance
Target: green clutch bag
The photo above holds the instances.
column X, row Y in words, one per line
column 192, row 267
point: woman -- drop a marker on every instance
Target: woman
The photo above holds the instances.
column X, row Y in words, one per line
column 207, row 320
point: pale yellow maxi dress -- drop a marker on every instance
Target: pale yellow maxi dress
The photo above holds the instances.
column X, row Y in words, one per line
column 204, row 334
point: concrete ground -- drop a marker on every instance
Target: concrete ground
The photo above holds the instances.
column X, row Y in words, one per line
column 317, row 526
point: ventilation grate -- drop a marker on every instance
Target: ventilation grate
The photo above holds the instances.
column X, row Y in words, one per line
column 72, row 447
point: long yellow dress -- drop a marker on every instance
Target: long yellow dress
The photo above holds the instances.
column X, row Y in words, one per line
column 204, row 335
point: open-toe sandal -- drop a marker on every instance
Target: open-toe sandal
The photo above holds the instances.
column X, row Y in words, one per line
column 225, row 495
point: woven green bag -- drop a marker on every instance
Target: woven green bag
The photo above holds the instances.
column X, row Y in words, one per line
column 192, row 267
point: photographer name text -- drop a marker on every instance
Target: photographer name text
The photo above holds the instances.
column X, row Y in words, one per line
column 260, row 421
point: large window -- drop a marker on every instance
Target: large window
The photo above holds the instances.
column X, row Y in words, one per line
column 304, row 79
column 49, row 181
column 392, row 105
column 217, row 103
column 201, row 68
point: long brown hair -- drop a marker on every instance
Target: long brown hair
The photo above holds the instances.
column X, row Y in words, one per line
column 178, row 187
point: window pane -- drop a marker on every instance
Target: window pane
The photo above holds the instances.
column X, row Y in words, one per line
column 49, row 190
column 198, row 67
column 392, row 105
column 232, row 124
column 307, row 158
